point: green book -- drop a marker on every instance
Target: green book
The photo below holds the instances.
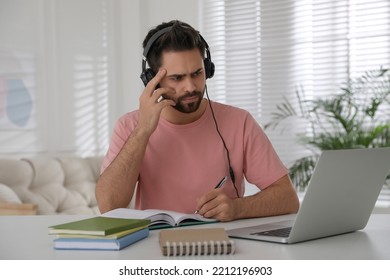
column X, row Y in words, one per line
column 116, row 235
column 100, row 226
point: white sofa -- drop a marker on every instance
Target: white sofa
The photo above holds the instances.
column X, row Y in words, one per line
column 54, row 185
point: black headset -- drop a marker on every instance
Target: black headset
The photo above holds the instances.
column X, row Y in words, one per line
column 148, row 74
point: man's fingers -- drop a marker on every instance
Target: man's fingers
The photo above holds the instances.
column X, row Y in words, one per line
column 167, row 102
column 153, row 83
column 206, row 199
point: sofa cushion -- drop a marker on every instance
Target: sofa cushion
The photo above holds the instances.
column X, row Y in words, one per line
column 57, row 185
column 16, row 174
column 64, row 185
column 81, row 175
column 46, row 189
column 8, row 195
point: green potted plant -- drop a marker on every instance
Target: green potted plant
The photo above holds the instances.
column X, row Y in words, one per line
column 356, row 117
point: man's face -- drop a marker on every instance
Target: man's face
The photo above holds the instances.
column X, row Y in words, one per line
column 186, row 75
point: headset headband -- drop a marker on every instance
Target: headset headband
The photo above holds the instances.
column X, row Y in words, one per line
column 150, row 43
column 160, row 33
column 148, row 74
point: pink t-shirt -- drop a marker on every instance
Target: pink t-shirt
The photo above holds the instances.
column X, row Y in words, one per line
column 183, row 162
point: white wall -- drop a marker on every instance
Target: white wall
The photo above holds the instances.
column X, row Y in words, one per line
column 70, row 68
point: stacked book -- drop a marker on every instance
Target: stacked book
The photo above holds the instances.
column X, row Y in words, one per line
column 99, row 233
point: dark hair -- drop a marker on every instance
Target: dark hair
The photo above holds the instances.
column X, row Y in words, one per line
column 181, row 37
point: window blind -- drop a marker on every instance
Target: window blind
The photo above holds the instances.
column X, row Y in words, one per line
column 265, row 49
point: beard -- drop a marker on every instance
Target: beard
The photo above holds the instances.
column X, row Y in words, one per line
column 188, row 107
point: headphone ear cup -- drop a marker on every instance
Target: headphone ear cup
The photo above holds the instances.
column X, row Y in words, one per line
column 209, row 68
column 147, row 75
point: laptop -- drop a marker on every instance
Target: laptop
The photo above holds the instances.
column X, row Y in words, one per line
column 340, row 198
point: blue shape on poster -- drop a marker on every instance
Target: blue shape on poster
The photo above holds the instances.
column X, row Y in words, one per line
column 19, row 102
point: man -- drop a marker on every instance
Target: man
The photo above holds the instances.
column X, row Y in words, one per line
column 179, row 145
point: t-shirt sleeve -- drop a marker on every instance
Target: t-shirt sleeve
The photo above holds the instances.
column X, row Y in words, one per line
column 122, row 129
column 262, row 165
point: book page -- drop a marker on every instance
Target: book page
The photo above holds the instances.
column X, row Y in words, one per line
column 157, row 216
column 192, row 217
column 127, row 213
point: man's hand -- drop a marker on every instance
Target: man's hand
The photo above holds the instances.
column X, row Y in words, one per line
column 151, row 104
column 279, row 198
column 217, row 205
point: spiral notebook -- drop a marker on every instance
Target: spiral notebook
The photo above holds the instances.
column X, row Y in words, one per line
column 187, row 242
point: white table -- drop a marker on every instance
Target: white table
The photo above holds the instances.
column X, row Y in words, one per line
column 26, row 237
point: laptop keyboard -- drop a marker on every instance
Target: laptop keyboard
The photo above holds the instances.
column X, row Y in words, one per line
column 280, row 232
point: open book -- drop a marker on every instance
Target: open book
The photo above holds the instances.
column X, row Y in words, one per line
column 159, row 218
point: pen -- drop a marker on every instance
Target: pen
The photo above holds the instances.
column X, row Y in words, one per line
column 220, row 184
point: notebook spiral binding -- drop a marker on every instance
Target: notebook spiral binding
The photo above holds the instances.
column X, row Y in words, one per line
column 199, row 248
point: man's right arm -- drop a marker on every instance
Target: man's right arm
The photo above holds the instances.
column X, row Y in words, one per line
column 115, row 187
